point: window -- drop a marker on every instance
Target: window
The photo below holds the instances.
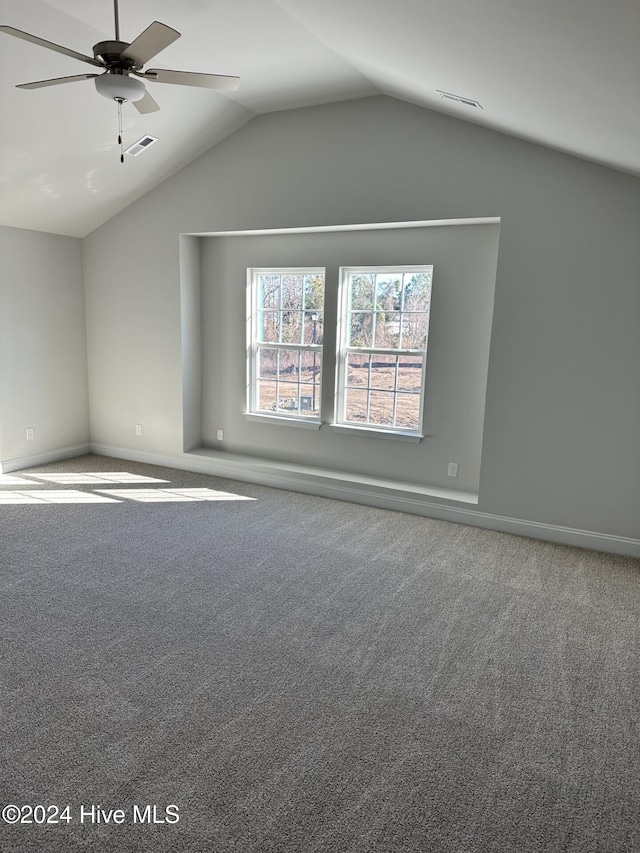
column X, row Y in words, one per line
column 285, row 342
column 384, row 323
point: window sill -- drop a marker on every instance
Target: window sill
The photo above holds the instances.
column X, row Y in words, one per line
column 373, row 432
column 283, row 420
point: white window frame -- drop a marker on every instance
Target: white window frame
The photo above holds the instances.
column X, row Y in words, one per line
column 341, row 424
column 296, row 418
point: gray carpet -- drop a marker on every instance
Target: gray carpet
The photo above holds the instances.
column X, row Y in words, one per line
column 300, row 675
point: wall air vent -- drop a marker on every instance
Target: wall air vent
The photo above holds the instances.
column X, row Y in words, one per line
column 139, row 146
column 468, row 102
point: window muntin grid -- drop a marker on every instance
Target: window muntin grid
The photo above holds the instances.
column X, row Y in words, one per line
column 286, row 332
column 383, row 343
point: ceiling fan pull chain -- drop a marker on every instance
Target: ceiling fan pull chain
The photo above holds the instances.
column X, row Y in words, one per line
column 120, row 143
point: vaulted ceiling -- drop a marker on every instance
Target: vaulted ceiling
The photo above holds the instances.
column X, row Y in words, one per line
column 563, row 73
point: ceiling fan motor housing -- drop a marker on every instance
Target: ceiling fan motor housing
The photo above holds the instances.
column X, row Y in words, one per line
column 110, row 52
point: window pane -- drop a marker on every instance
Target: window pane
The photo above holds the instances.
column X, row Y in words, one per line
column 267, row 362
column 314, row 292
column 381, row 408
column 292, row 327
column 389, row 292
column 288, row 365
column 288, row 397
column 356, row 406
column 417, row 291
column 266, row 395
column 269, row 326
column 312, row 327
column 309, row 399
column 410, row 374
column 361, row 329
column 357, row 369
column 292, row 292
column 414, row 331
column 361, row 292
column 408, row 411
column 383, row 372
column 269, row 291
column 310, row 365
column 387, row 329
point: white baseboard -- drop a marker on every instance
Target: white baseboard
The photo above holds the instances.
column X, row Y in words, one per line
column 9, row 465
column 403, row 497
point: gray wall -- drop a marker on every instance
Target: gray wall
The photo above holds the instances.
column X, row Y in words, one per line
column 560, row 443
column 43, row 359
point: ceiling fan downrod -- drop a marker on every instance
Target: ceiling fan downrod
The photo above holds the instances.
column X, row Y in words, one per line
column 117, row 17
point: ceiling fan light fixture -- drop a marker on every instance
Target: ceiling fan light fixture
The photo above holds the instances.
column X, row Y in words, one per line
column 120, row 87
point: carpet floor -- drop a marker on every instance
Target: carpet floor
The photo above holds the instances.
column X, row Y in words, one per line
column 193, row 664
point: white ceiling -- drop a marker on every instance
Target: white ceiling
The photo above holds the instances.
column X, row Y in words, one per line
column 565, row 73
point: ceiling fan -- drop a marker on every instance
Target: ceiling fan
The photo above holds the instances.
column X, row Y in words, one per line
column 121, row 63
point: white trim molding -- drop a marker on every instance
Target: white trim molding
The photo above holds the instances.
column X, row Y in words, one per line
column 441, row 504
column 366, row 226
column 22, row 462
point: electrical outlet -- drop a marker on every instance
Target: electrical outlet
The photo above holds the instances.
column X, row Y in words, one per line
column 31, row 433
column 138, row 429
column 452, row 471
column 220, row 435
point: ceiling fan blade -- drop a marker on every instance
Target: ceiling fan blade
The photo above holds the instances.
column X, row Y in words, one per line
column 12, row 31
column 40, row 84
column 155, row 38
column 146, row 104
column 191, row 78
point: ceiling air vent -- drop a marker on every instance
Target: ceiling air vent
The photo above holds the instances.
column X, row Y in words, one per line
column 139, row 146
column 468, row 102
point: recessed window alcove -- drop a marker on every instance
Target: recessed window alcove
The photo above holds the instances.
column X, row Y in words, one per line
column 213, row 269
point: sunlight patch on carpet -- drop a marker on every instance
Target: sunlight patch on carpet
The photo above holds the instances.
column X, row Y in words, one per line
column 157, row 495
column 54, row 496
column 167, row 495
column 97, row 477
column 10, row 480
